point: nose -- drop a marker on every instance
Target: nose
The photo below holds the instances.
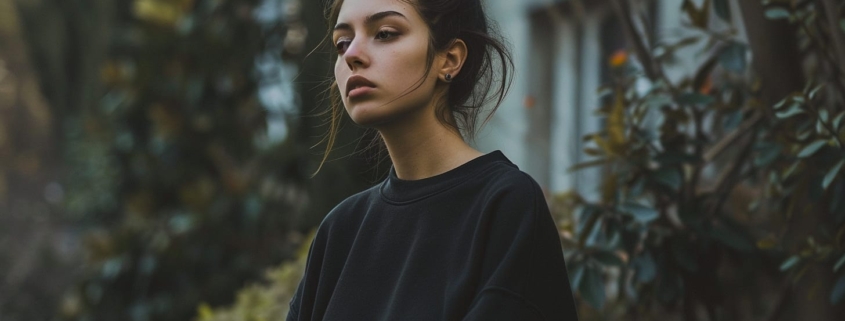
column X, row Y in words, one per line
column 355, row 55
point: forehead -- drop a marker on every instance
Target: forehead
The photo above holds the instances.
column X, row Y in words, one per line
column 359, row 10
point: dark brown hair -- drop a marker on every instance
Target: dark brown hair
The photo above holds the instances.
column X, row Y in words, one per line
column 477, row 84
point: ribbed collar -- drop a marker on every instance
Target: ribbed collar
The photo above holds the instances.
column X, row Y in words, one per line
column 399, row 191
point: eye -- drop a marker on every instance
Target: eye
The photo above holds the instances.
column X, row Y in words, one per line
column 386, row 35
column 342, row 44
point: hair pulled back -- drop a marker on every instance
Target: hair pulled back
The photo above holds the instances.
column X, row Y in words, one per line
column 478, row 83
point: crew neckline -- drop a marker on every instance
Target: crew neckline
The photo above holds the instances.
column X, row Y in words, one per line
column 399, row 191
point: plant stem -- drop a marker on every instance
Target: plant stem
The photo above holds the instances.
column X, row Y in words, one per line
column 731, row 138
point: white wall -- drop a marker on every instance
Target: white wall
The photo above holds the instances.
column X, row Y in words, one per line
column 507, row 129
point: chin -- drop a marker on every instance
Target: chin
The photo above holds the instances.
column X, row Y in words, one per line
column 369, row 115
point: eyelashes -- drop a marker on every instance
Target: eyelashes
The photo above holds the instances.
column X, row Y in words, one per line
column 342, row 44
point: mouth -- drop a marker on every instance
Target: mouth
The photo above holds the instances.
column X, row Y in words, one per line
column 357, row 85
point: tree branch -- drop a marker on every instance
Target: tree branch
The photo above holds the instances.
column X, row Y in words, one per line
column 729, row 178
column 830, row 9
column 731, row 138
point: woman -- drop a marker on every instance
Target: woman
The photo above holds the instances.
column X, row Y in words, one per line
column 451, row 234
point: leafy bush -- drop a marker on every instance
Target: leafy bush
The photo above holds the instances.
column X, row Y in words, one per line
column 182, row 192
column 718, row 201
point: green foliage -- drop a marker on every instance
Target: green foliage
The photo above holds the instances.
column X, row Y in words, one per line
column 260, row 302
column 701, row 176
column 172, row 176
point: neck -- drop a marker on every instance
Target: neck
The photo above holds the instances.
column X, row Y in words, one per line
column 425, row 147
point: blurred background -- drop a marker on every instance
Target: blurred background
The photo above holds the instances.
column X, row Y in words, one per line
column 156, row 156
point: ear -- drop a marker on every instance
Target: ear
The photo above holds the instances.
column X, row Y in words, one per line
column 452, row 59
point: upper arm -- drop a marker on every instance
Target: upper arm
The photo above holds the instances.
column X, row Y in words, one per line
column 523, row 259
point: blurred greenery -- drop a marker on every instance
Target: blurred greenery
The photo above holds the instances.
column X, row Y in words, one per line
column 179, row 163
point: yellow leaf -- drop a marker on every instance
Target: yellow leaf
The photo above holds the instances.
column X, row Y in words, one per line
column 160, row 12
column 605, row 145
column 766, row 243
column 616, row 125
column 609, row 188
column 205, row 312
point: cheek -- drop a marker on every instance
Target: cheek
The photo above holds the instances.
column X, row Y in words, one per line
column 340, row 76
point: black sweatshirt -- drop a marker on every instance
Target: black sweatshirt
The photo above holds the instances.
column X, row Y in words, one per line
column 474, row 243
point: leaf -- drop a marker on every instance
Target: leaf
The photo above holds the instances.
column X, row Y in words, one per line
column 793, row 110
column 676, row 157
column 781, row 103
column 732, row 239
column 722, row 9
column 838, row 291
column 608, row 258
column 777, row 13
column 583, row 165
column 823, row 115
column 692, row 98
column 838, row 120
column 592, row 288
column 790, row 262
column 657, row 101
column 684, row 255
column 645, row 267
column 842, row 24
column 585, row 214
column 642, row 214
column 636, row 189
column 839, row 263
column 576, row 274
column 732, row 120
column 766, row 153
column 767, row 243
column 811, row 149
column 814, row 91
column 595, row 235
column 733, row 58
column 161, row 12
column 669, row 177
column 831, row 175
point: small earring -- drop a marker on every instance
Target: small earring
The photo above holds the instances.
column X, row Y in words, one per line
column 448, row 77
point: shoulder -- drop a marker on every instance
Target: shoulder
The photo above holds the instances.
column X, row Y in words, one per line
column 506, row 183
column 347, row 211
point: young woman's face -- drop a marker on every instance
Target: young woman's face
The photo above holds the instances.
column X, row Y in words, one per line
column 382, row 51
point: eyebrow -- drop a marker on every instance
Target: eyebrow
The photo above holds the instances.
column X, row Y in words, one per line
column 370, row 19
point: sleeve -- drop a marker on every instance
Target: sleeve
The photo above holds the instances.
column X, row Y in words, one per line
column 305, row 291
column 523, row 271
column 295, row 302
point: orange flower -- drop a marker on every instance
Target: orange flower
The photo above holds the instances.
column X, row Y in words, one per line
column 707, row 86
column 529, row 102
column 619, row 58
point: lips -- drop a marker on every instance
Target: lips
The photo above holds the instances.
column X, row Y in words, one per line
column 355, row 82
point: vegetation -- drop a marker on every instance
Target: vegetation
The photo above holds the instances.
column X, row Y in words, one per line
column 169, row 138
column 722, row 192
